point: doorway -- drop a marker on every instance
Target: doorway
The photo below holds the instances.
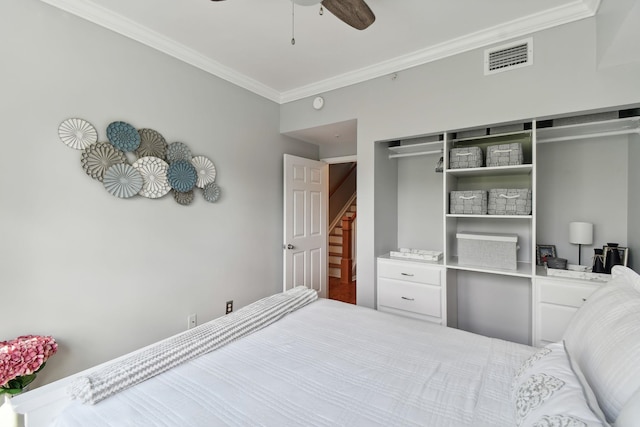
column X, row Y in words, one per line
column 342, row 229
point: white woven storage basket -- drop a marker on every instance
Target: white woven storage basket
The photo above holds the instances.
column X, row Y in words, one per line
column 504, row 154
column 467, row 157
column 511, row 201
column 473, row 202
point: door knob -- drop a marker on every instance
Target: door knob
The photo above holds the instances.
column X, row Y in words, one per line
column 289, row 246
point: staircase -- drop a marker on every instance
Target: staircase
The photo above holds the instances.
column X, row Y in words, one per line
column 336, row 243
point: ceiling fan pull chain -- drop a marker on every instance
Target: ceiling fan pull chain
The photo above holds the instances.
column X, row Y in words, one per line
column 293, row 23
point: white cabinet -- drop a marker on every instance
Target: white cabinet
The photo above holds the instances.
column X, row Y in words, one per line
column 555, row 301
column 412, row 289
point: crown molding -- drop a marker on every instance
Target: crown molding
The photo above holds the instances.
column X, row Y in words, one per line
column 133, row 30
column 574, row 11
column 526, row 25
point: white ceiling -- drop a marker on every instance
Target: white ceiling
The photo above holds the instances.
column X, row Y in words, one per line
column 248, row 42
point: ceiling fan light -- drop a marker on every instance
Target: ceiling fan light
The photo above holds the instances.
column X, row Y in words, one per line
column 307, row 2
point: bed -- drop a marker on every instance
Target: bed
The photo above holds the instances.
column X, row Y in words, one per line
column 325, row 363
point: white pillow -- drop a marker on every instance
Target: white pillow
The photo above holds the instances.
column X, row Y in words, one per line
column 603, row 338
column 623, row 274
column 630, row 414
column 547, row 392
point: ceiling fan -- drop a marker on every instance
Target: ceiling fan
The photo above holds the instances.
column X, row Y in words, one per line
column 355, row 13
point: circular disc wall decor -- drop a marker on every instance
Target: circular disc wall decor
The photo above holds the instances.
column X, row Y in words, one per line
column 182, row 175
column 178, row 151
column 77, row 133
column 123, row 180
column 123, row 136
column 206, row 170
column 154, row 177
column 152, row 143
column 183, row 198
column 99, row 157
column 211, row 192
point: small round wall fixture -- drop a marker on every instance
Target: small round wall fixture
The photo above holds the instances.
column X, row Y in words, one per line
column 77, row 133
column 123, row 136
column 318, row 102
column 182, row 176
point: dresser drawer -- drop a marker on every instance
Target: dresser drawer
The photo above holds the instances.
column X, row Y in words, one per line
column 567, row 293
column 554, row 321
column 409, row 271
column 407, row 296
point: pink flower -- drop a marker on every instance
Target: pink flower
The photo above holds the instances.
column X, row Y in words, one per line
column 24, row 355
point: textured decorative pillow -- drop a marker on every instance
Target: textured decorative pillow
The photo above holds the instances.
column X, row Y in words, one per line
column 603, row 338
column 547, row 392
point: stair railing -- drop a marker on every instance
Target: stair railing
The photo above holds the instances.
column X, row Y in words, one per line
column 343, row 211
column 346, row 265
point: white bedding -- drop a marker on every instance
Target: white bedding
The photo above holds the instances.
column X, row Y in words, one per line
column 327, row 364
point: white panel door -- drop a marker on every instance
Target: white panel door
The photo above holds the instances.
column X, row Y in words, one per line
column 305, row 223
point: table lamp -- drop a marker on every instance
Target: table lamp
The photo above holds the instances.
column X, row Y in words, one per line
column 580, row 233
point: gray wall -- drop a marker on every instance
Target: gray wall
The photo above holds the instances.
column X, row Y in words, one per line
column 102, row 275
column 343, row 148
column 419, row 203
column 583, row 180
column 453, row 93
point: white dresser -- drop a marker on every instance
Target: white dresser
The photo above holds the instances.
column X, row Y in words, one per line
column 555, row 301
column 413, row 289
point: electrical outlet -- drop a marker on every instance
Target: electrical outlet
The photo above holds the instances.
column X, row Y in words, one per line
column 192, row 321
column 229, row 307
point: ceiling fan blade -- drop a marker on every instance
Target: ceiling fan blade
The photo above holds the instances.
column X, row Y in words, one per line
column 353, row 12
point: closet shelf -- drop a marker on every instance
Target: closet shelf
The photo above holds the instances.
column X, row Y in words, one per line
column 418, row 149
column 524, row 269
column 479, row 138
column 524, row 169
column 624, row 126
column 527, row 217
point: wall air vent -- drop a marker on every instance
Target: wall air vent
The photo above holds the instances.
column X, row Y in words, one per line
column 508, row 57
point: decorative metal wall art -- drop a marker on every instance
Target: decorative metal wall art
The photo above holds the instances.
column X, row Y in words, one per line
column 77, row 133
column 99, row 157
column 122, row 180
column 154, row 176
column 159, row 167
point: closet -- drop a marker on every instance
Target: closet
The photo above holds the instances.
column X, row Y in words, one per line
column 579, row 168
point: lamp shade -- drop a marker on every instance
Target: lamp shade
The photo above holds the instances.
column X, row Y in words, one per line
column 581, row 233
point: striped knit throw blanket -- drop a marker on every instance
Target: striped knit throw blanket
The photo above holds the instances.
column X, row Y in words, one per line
column 164, row 355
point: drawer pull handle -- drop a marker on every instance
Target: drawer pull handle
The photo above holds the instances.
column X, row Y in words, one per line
column 409, row 299
column 407, row 274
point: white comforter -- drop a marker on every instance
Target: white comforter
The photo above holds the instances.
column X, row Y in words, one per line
column 328, row 364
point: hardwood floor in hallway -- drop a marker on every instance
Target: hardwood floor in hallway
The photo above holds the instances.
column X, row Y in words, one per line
column 345, row 292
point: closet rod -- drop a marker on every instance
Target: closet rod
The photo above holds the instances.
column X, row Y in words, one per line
column 590, row 135
column 419, row 153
